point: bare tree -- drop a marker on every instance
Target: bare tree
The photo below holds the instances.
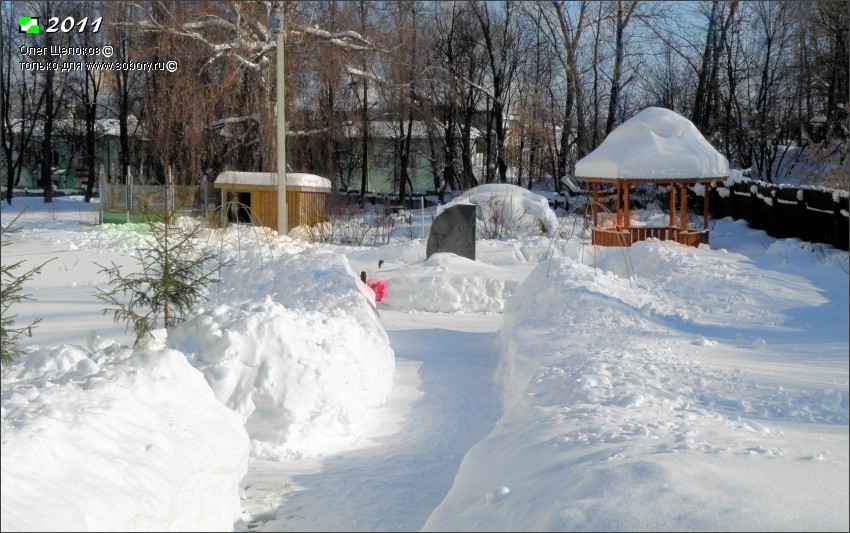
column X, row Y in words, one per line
column 124, row 93
column 230, row 46
column 501, row 44
column 53, row 100
column 536, row 119
column 441, row 92
column 18, row 107
column 571, row 34
column 623, row 16
column 87, row 91
column 707, row 97
column 364, row 176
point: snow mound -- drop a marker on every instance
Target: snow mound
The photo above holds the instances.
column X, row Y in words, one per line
column 516, row 211
column 125, row 427
column 303, row 365
column 654, row 144
column 448, row 283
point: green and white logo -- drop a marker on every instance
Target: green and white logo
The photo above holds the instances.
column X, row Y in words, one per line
column 29, row 24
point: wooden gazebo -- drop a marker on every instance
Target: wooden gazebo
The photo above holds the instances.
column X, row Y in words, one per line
column 656, row 146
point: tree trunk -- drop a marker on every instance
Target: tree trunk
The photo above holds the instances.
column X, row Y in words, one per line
column 618, row 65
column 499, row 116
column 699, row 98
column 91, row 115
column 46, row 143
column 574, row 88
column 469, row 179
column 364, row 169
column 712, row 104
column 595, row 141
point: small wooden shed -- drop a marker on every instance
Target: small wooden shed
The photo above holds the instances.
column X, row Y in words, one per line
column 656, row 146
column 255, row 194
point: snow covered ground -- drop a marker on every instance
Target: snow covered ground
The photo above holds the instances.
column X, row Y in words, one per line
column 546, row 386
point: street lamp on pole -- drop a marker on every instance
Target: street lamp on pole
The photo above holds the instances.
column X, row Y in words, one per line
column 276, row 23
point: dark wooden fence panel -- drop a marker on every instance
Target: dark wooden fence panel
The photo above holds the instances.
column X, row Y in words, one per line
column 813, row 215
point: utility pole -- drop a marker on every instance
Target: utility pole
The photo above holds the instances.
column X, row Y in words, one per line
column 282, row 228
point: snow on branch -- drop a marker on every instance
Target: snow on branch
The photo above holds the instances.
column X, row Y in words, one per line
column 360, row 74
column 484, row 90
column 324, row 34
column 234, row 120
column 209, row 20
column 340, row 39
column 218, row 50
column 304, row 133
column 250, row 41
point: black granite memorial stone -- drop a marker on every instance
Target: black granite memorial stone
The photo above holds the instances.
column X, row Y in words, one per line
column 453, row 231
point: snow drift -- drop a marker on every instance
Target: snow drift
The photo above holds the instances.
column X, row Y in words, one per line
column 447, row 283
column 586, row 383
column 139, row 432
column 303, row 365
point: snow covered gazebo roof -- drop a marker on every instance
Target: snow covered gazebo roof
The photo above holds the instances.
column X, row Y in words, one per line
column 656, row 145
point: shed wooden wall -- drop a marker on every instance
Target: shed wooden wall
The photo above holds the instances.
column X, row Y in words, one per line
column 263, row 203
column 305, row 205
column 264, row 208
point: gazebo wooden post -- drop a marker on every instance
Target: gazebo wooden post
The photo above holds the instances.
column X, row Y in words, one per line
column 683, row 209
column 626, row 200
column 594, row 207
column 705, row 194
column 618, row 221
column 672, row 205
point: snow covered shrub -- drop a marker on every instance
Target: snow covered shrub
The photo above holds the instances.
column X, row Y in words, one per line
column 505, row 211
column 827, row 254
column 351, row 225
column 501, row 219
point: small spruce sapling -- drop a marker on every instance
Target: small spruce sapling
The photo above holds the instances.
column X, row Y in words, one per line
column 173, row 278
column 11, row 292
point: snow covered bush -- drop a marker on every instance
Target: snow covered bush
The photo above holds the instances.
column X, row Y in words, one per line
column 501, row 218
column 506, row 211
column 348, row 224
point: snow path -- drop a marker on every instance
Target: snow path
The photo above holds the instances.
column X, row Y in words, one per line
column 439, row 408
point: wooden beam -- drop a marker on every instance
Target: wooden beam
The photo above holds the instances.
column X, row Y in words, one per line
column 672, row 205
column 619, row 205
column 594, row 206
column 626, row 199
column 705, row 195
column 683, row 207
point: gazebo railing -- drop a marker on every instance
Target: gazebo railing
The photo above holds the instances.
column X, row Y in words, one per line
column 628, row 236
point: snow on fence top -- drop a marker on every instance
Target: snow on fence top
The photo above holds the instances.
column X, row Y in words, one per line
column 294, row 179
column 655, row 144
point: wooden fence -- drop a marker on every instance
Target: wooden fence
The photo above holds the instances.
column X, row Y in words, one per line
column 809, row 214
